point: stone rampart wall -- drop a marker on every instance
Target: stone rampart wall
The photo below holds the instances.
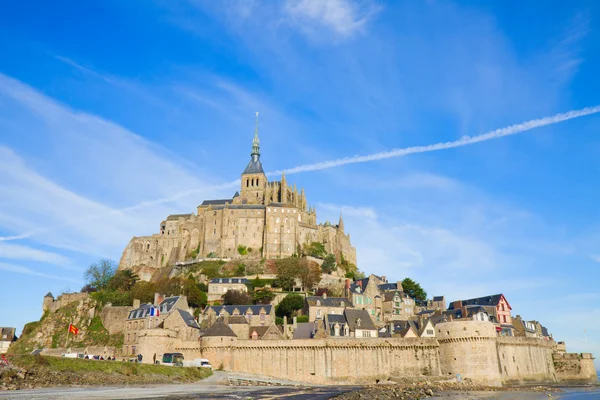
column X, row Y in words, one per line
column 63, row 300
column 325, row 361
column 114, row 318
column 575, row 367
column 524, row 360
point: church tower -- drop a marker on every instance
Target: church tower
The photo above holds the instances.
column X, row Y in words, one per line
column 254, row 180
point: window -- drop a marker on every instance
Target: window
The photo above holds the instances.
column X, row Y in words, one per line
column 214, row 231
column 319, row 314
column 504, row 318
column 430, row 331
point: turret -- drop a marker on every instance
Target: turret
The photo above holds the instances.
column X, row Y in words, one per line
column 341, row 224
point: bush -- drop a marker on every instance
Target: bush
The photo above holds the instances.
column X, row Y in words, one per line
column 236, row 297
column 302, row 318
column 278, row 321
column 111, row 296
column 289, row 305
column 263, row 296
column 329, row 264
column 242, row 250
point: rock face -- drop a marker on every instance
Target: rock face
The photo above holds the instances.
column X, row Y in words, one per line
column 262, row 220
column 79, row 309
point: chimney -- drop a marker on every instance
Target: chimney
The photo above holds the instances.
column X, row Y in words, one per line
column 392, row 328
column 359, row 284
column 158, row 298
column 347, row 288
column 399, row 285
column 136, row 303
column 324, row 295
column 295, row 322
column 383, row 278
column 457, row 304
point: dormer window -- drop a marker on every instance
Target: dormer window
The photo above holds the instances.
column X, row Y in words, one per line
column 358, row 322
column 318, row 303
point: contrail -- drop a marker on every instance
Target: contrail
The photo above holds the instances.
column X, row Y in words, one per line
column 464, row 141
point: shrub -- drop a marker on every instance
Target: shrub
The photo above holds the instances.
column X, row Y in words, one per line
column 289, row 305
column 242, row 250
column 302, row 318
column 278, row 321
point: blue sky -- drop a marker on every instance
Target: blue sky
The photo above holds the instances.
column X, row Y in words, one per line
column 115, row 114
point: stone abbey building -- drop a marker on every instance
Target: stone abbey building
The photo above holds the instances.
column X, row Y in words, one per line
column 271, row 219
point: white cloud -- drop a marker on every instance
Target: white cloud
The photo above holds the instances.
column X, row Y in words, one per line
column 27, row 271
column 343, row 18
column 20, row 252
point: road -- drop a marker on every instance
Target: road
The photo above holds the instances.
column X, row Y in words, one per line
column 210, row 388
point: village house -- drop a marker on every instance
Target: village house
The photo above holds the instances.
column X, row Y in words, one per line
column 475, row 313
column 316, row 307
column 217, row 287
column 148, row 316
column 183, row 323
column 255, row 315
column 360, row 324
column 397, row 305
column 365, row 294
column 524, row 328
column 7, row 336
column 270, row 332
column 497, row 308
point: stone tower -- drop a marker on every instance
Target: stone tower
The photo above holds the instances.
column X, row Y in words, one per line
column 254, row 180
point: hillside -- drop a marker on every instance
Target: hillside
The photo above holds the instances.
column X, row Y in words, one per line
column 50, row 331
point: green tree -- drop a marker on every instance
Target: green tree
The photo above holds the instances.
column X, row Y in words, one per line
column 309, row 273
column 413, row 289
column 99, row 273
column 123, row 280
column 236, row 297
column 289, row 305
column 203, row 287
column 287, row 271
column 195, row 297
column 329, row 265
column 144, row 291
column 315, row 249
column 263, row 296
column 169, row 286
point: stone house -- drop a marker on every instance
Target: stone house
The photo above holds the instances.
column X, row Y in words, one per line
column 365, row 294
column 149, row 316
column 475, row 313
column 183, row 323
column 524, row 328
column 397, row 305
column 256, row 315
column 270, row 332
column 360, row 324
column 336, row 325
column 7, row 336
column 497, row 308
column 218, row 333
column 316, row 307
column 217, row 287
column 239, row 325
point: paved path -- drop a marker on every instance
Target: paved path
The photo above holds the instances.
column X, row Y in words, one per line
column 210, row 388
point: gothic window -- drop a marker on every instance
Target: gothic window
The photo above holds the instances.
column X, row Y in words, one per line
column 247, row 182
column 256, row 181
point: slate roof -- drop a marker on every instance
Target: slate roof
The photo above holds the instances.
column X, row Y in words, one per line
column 492, row 300
column 229, row 280
column 219, row 328
column 216, row 202
column 241, row 308
column 177, row 216
column 336, row 319
column 189, row 319
column 167, row 304
column 237, row 319
column 329, row 301
column 254, row 167
column 389, row 296
column 140, row 312
column 304, row 330
column 352, row 317
column 49, row 294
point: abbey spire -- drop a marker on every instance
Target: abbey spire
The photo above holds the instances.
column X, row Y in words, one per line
column 254, row 166
column 255, row 142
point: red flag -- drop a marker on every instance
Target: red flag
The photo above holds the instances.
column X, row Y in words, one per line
column 4, row 360
column 73, row 329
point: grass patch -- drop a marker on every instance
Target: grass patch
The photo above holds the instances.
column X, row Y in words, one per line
column 95, row 368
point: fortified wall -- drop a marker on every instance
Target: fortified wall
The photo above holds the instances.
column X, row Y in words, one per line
column 323, row 361
column 470, row 349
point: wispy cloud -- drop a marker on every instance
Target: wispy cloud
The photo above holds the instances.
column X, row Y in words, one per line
column 341, row 17
column 464, row 141
column 19, row 252
column 28, row 271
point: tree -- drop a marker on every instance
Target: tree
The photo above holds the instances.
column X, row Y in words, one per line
column 195, row 297
column 263, row 296
column 289, row 305
column 315, row 249
column 203, row 287
column 144, row 291
column 329, row 265
column 309, row 273
column 99, row 273
column 236, row 297
column 169, row 286
column 287, row 271
column 123, row 280
column 413, row 289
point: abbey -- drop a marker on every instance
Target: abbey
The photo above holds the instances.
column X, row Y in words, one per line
column 263, row 219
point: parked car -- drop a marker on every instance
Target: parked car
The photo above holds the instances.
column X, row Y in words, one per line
column 198, row 362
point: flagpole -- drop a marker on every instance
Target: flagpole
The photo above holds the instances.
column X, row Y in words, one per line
column 68, row 331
